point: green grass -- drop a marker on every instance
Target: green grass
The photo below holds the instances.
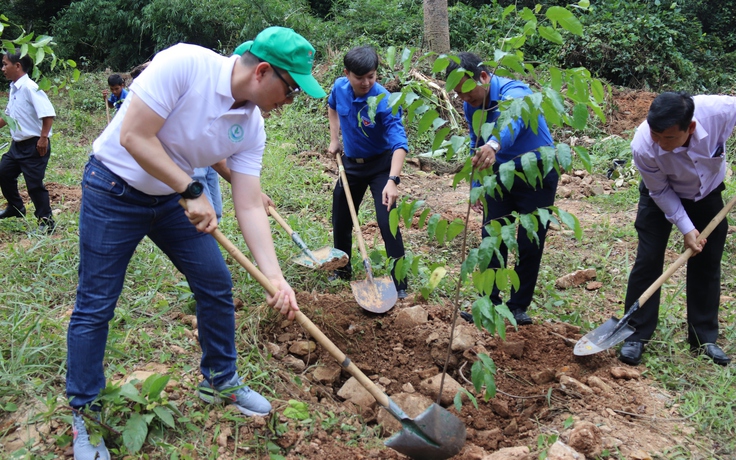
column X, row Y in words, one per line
column 39, row 279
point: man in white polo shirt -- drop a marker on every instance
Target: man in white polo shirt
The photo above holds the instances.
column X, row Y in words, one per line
column 191, row 108
column 32, row 115
column 680, row 151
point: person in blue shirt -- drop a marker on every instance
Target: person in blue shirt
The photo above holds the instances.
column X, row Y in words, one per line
column 374, row 152
column 117, row 90
column 515, row 140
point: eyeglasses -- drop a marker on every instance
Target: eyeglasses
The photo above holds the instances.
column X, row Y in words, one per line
column 292, row 91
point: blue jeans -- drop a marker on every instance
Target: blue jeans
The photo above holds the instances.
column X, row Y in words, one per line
column 113, row 219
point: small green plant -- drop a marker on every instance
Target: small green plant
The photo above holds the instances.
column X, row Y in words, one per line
column 139, row 410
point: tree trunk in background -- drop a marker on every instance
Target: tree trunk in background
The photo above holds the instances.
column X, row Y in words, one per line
column 436, row 26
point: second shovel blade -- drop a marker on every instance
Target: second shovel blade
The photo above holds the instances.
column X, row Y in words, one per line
column 378, row 296
column 329, row 259
column 602, row 338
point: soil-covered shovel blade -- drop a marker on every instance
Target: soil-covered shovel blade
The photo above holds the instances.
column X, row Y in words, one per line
column 377, row 295
column 603, row 337
column 326, row 258
column 435, row 434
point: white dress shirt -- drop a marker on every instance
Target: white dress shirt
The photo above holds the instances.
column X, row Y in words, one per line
column 27, row 105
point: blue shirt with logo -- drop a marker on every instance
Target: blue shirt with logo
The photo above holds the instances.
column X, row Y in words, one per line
column 361, row 137
column 516, row 139
column 118, row 101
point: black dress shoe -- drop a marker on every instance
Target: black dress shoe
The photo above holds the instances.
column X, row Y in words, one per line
column 522, row 319
column 714, row 352
column 631, row 353
column 340, row 275
column 12, row 212
column 467, row 316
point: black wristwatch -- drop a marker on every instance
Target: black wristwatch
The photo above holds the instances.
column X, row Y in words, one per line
column 396, row 179
column 194, row 190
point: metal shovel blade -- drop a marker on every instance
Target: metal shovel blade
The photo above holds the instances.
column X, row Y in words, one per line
column 435, row 434
column 377, row 295
column 603, row 337
column 325, row 258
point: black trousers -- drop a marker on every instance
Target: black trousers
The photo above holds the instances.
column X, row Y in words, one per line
column 23, row 158
column 522, row 198
column 703, row 285
column 361, row 176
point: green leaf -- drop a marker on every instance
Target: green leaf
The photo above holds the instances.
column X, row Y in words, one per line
column 165, row 414
column 531, row 168
column 432, row 224
column 468, row 85
column 571, row 221
column 297, row 410
column 550, row 34
column 469, row 263
column 508, row 10
column 131, row 392
column 436, row 277
column 135, row 432
column 426, row 121
column 527, row 14
column 393, row 221
column 564, row 157
column 489, row 278
column 513, row 62
column 507, row 172
column 479, row 117
column 42, row 41
column 486, row 130
column 440, row 231
column 391, row 57
column 596, row 88
column 455, row 228
column 566, row 18
column 440, row 64
column 579, row 116
column 458, row 143
column 584, row 156
column 584, row 3
column 439, row 137
column 454, row 79
column 155, row 384
column 423, row 218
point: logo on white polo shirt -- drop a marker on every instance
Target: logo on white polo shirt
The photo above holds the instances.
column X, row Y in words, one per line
column 236, row 133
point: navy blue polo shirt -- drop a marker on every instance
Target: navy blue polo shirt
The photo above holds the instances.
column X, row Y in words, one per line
column 361, row 137
column 517, row 138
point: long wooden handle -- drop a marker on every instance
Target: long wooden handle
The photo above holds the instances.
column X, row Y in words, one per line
column 353, row 214
column 107, row 109
column 313, row 330
column 281, row 221
column 687, row 254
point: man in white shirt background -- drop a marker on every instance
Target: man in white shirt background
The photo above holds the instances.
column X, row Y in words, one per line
column 31, row 115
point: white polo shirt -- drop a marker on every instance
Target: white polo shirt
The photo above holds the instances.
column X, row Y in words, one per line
column 27, row 105
column 189, row 86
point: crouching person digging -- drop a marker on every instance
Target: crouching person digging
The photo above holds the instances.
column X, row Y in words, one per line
column 190, row 108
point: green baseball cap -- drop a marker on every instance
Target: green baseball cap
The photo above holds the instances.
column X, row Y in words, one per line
column 286, row 50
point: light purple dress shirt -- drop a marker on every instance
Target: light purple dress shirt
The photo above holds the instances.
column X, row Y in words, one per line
column 690, row 172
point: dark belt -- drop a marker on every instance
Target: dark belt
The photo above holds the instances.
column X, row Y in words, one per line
column 30, row 140
column 367, row 159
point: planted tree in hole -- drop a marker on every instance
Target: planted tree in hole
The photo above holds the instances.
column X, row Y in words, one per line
column 564, row 97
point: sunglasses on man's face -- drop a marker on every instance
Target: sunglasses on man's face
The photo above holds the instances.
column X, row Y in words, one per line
column 292, row 91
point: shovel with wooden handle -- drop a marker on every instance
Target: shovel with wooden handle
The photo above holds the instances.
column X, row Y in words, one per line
column 325, row 258
column 377, row 295
column 616, row 330
column 435, row 434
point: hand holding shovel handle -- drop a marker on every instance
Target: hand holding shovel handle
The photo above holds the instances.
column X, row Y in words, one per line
column 682, row 259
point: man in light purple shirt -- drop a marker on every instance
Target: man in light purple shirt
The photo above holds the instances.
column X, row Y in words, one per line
column 680, row 153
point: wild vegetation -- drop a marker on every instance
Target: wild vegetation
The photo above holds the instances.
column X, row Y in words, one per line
column 662, row 48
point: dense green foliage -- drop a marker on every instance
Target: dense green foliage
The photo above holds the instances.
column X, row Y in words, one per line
column 655, row 44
